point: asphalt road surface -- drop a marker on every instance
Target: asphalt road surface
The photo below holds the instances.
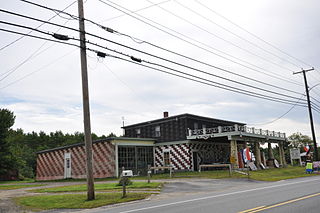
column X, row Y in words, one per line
column 300, row 195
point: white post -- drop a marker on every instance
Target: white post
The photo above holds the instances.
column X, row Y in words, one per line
column 220, row 129
column 236, row 127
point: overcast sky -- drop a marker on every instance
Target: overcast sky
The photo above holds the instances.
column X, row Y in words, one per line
column 45, row 91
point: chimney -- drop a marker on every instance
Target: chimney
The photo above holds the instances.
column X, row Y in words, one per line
column 165, row 114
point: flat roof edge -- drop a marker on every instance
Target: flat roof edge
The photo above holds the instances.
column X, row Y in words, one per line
column 93, row 142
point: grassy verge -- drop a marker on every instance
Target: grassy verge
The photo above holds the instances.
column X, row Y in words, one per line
column 262, row 175
column 12, row 186
column 100, row 187
column 279, row 174
column 75, row 201
column 17, row 181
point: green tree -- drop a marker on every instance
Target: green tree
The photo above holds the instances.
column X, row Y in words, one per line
column 298, row 140
column 7, row 161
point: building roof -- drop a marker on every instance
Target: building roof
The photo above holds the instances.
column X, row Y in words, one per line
column 109, row 139
column 161, row 120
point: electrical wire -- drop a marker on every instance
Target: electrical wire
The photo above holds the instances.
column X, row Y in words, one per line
column 54, row 10
column 281, row 116
column 51, row 34
column 38, row 37
column 142, row 52
column 36, row 19
column 25, row 27
column 203, row 82
column 238, row 36
column 250, row 33
column 195, row 69
column 198, row 46
column 38, row 70
column 136, row 40
column 315, row 99
column 75, row 17
column 139, row 10
column 18, row 39
column 221, row 38
column 140, row 41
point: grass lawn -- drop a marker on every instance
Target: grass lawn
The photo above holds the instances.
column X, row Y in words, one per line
column 75, row 201
column 13, row 186
column 101, row 187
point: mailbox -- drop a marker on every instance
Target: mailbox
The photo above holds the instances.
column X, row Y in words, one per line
column 127, row 173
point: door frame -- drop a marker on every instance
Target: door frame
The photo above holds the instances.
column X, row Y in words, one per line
column 67, row 165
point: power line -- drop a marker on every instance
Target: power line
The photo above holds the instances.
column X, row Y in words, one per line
column 101, row 54
column 132, row 90
column 139, row 10
column 138, row 51
column 195, row 69
column 110, row 30
column 36, row 19
column 19, row 65
column 315, row 99
column 226, row 87
column 167, row 61
column 238, row 36
column 276, row 75
column 284, row 101
column 9, row 72
column 281, row 116
column 257, row 37
column 11, row 43
column 38, row 70
column 140, row 41
column 170, row 62
column 38, row 37
column 219, row 37
column 36, row 52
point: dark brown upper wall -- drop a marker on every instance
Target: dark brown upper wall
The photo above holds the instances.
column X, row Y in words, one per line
column 174, row 128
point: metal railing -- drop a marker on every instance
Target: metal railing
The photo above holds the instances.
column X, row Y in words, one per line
column 235, row 128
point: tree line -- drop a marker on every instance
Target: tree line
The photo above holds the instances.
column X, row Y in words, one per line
column 18, row 149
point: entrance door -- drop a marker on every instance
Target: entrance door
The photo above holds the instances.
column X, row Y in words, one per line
column 67, row 165
column 195, row 161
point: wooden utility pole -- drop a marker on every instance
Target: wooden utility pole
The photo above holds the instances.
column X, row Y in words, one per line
column 86, row 108
column 315, row 152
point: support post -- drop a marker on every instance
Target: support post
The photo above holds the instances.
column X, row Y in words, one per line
column 234, row 154
column 124, row 191
column 257, row 154
column 149, row 173
column 86, row 108
column 270, row 161
column 282, row 156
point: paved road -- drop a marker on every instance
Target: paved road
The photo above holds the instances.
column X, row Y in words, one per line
column 201, row 196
